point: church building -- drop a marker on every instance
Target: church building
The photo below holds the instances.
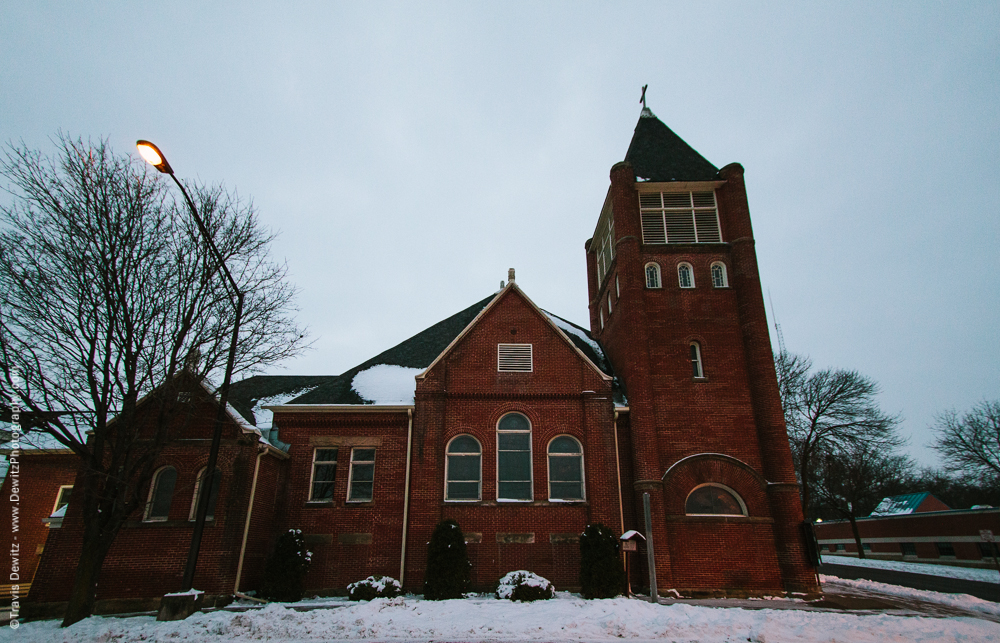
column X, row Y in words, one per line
column 518, row 424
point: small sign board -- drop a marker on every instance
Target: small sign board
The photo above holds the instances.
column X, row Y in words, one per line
column 628, row 545
column 987, row 535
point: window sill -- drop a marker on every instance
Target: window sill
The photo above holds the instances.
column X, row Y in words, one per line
column 359, row 503
column 320, row 504
column 519, row 503
column 699, row 380
column 166, row 523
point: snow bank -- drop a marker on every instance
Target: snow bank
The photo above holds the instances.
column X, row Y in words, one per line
column 947, row 571
column 962, row 601
column 386, row 384
column 566, row 618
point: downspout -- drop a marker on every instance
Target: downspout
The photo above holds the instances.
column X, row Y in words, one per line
column 618, row 466
column 246, row 526
column 406, row 495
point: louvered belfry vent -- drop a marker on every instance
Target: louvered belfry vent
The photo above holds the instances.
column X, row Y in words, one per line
column 514, row 358
column 679, row 217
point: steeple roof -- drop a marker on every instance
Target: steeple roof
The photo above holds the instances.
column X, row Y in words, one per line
column 657, row 154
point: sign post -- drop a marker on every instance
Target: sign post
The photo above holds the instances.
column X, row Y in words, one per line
column 629, row 544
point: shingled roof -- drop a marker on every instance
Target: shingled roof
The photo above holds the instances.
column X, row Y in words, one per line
column 657, row 154
column 418, row 352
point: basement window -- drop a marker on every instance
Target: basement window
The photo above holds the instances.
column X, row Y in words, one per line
column 514, row 358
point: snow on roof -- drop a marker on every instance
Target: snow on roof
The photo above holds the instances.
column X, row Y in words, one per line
column 264, row 418
column 567, row 327
column 630, row 534
column 386, row 384
column 899, row 505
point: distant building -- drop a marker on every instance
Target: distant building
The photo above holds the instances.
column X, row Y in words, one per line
column 920, row 528
column 518, row 424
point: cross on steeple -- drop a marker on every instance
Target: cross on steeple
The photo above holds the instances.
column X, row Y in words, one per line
column 643, row 99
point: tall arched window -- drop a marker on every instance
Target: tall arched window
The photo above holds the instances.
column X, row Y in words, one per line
column 213, row 496
column 161, row 492
column 714, row 500
column 685, row 275
column 463, row 469
column 696, row 365
column 652, row 275
column 514, row 458
column 719, row 277
column 565, row 469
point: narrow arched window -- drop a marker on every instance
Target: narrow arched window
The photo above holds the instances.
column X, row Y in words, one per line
column 652, row 275
column 565, row 469
column 463, row 469
column 514, row 458
column 685, row 275
column 602, row 318
column 696, row 365
column 609, row 305
column 719, row 277
column 161, row 493
column 714, row 500
column 213, row 495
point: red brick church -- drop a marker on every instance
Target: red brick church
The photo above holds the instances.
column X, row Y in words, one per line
column 518, row 424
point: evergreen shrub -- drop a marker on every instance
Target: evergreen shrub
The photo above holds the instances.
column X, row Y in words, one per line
column 374, row 587
column 524, row 586
column 286, row 568
column 448, row 564
column 601, row 573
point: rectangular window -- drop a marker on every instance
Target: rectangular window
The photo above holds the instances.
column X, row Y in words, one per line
column 679, row 217
column 908, row 549
column 362, row 475
column 945, row 549
column 514, row 358
column 866, row 546
column 324, row 474
column 62, row 498
column 514, row 466
column 988, row 550
column 604, row 240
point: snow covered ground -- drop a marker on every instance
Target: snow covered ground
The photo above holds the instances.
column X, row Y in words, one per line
column 959, row 601
column 947, row 571
column 566, row 618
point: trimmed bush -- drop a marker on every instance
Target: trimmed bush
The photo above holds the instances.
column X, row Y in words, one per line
column 374, row 587
column 601, row 573
column 286, row 568
column 524, row 586
column 448, row 564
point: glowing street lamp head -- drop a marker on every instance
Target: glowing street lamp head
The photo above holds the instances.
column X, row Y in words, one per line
column 152, row 155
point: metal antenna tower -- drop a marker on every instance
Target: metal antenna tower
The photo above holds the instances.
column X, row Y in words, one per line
column 777, row 326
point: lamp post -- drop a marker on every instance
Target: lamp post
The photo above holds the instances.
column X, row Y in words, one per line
column 152, row 155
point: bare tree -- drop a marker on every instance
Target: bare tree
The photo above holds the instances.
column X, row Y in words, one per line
column 970, row 443
column 106, row 291
column 852, row 479
column 829, row 410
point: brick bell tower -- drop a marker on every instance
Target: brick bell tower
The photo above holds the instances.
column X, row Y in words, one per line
column 675, row 299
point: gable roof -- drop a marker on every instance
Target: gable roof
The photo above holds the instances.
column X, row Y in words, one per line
column 905, row 504
column 657, row 154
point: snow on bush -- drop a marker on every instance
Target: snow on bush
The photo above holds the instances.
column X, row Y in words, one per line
column 524, row 586
column 374, row 587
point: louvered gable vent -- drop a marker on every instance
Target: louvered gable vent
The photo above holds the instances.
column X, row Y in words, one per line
column 514, row 358
column 679, row 217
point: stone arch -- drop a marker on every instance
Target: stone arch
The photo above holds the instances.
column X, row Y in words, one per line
column 703, row 468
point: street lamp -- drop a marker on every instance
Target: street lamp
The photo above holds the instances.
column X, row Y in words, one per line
column 152, row 155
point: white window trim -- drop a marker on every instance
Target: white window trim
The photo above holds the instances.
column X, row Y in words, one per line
column 192, row 513
column 55, row 505
column 531, row 457
column 583, row 469
column 739, row 499
column 701, row 361
column 447, row 464
column 152, row 489
column 602, row 317
column 725, row 274
column 350, row 475
column 659, row 275
column 618, row 288
column 312, row 471
column 610, row 309
column 690, row 272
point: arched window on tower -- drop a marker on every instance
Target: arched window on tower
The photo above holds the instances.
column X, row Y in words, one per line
column 213, row 496
column 685, row 275
column 719, row 277
column 464, row 469
column 714, row 500
column 652, row 275
column 696, row 366
column 514, row 458
column 565, row 469
column 161, row 493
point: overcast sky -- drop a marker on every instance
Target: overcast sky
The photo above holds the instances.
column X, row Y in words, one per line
column 409, row 154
